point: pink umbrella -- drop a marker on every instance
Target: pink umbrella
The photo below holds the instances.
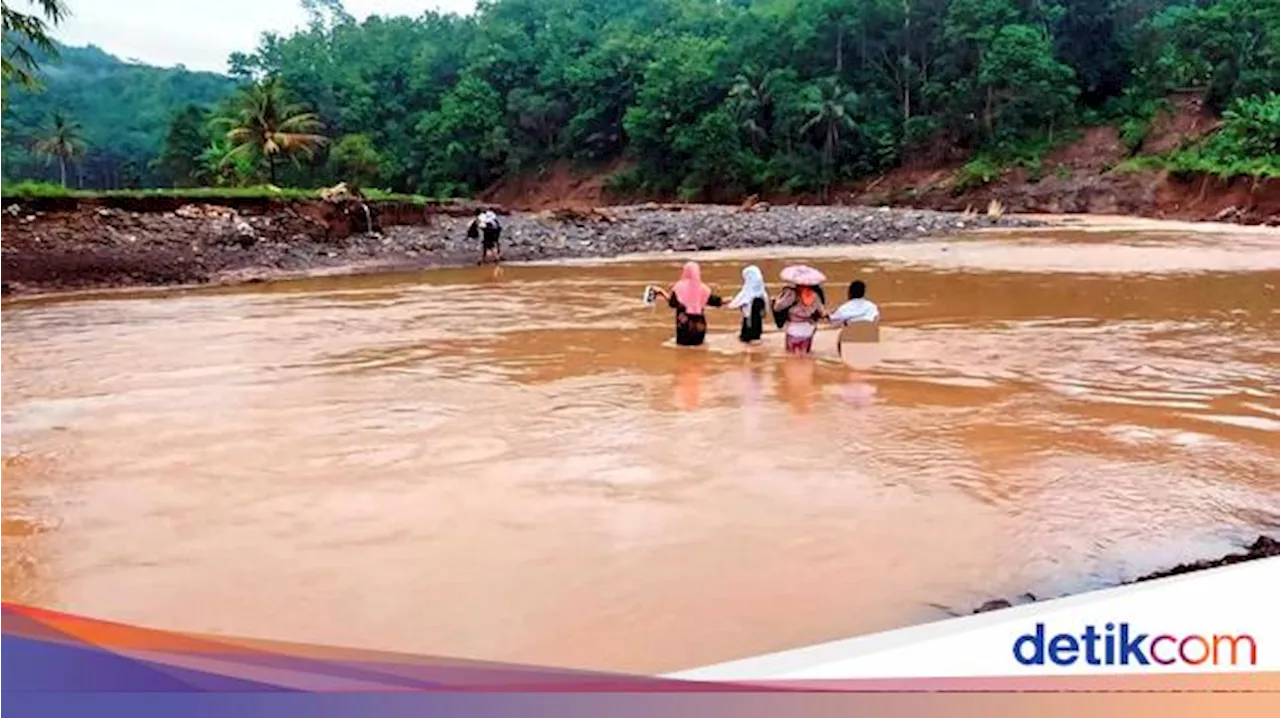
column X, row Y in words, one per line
column 803, row 275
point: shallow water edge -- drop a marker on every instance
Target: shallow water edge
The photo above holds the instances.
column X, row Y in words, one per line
column 1264, row 547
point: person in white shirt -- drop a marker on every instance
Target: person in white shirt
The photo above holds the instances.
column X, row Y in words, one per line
column 857, row 309
column 487, row 228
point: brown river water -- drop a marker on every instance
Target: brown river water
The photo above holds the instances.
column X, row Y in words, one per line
column 521, row 467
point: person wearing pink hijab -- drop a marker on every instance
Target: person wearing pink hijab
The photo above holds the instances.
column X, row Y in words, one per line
column 690, row 298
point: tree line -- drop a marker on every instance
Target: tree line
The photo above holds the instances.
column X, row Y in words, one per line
column 114, row 115
column 712, row 99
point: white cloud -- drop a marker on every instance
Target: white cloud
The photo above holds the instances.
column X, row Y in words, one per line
column 202, row 33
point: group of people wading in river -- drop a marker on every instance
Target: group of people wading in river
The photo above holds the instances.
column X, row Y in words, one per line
column 798, row 309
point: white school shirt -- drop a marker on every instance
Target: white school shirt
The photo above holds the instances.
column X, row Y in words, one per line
column 856, row 310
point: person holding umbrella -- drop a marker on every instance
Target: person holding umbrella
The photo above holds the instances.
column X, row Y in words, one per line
column 799, row 306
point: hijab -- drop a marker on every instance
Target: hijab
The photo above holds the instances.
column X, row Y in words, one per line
column 752, row 288
column 690, row 290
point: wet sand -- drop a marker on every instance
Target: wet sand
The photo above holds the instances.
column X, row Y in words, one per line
column 514, row 466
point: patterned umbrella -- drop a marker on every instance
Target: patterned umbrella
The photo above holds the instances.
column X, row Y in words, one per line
column 803, row 275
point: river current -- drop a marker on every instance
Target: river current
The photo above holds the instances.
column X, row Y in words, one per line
column 518, row 465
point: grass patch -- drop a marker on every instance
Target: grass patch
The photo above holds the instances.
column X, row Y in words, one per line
column 1028, row 154
column 1144, row 163
column 46, row 190
column 1196, row 161
column 978, row 171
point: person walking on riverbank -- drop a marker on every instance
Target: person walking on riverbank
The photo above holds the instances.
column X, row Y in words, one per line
column 486, row 227
column 690, row 298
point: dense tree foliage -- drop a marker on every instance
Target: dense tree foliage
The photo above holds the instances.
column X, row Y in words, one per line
column 125, row 110
column 717, row 98
column 713, row 98
column 266, row 127
column 26, row 35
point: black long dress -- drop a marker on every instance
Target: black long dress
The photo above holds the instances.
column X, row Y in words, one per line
column 691, row 329
column 753, row 322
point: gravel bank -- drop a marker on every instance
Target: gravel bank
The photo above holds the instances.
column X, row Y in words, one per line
column 99, row 248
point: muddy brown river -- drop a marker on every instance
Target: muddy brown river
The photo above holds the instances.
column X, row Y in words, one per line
column 520, row 467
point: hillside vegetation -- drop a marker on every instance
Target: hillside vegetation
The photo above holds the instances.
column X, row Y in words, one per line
column 702, row 99
column 123, row 111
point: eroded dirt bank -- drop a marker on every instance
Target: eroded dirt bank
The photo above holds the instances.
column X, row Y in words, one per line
column 1075, row 181
column 63, row 245
column 1144, row 194
column 1096, row 173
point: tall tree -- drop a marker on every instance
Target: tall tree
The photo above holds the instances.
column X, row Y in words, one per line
column 266, row 125
column 62, row 142
column 186, row 139
column 326, row 12
column 752, row 100
column 355, row 160
column 25, row 35
column 830, row 107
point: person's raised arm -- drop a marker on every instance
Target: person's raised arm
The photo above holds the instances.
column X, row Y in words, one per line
column 784, row 300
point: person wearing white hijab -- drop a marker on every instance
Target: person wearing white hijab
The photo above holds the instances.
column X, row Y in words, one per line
column 752, row 300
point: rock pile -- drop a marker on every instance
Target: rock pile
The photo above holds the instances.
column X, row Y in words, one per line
column 200, row 211
column 694, row 228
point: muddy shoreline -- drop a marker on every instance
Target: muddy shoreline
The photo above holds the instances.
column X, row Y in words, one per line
column 1263, row 547
column 88, row 246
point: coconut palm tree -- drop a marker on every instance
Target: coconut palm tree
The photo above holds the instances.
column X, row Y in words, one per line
column 264, row 124
column 751, row 98
column 830, row 109
column 24, row 31
column 63, row 143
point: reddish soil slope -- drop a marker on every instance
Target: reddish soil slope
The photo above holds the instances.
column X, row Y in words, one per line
column 1076, row 178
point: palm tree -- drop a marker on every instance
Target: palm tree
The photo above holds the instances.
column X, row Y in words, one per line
column 830, row 108
column 22, row 32
column 265, row 124
column 751, row 97
column 63, row 143
column 217, row 166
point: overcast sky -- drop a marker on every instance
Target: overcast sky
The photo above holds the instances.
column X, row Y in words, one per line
column 201, row 33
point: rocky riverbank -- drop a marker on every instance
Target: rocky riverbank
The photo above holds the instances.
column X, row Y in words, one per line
column 1264, row 547
column 87, row 246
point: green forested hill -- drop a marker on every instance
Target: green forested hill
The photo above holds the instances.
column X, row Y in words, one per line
column 705, row 98
column 123, row 109
column 721, row 97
